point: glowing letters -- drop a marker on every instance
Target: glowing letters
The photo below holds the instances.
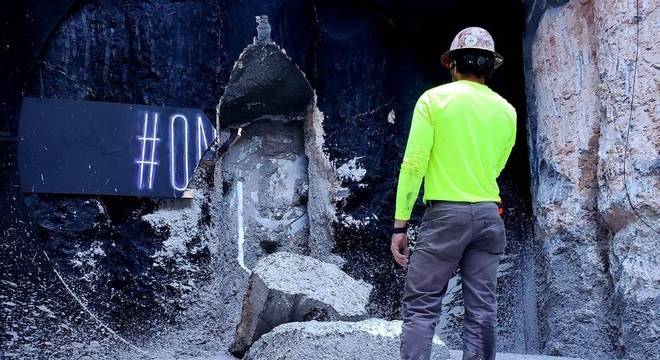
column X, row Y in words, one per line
column 182, row 160
column 173, row 152
column 201, row 135
column 141, row 163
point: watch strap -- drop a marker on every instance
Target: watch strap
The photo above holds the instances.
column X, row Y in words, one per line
column 401, row 230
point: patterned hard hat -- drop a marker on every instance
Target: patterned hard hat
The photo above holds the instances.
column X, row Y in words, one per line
column 472, row 38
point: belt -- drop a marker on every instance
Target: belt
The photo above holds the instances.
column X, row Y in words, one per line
column 437, row 202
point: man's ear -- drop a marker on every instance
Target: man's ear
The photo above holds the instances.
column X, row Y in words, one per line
column 452, row 67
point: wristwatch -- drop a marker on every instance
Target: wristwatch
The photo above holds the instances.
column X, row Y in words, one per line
column 400, row 230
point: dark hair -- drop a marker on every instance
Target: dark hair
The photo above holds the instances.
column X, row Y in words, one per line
column 480, row 63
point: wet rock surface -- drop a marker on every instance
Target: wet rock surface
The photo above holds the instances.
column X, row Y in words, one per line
column 371, row 339
column 286, row 287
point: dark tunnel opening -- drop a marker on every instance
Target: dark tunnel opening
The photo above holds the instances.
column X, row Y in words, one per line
column 409, row 38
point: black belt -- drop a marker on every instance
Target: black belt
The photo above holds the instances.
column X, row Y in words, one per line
column 437, row 202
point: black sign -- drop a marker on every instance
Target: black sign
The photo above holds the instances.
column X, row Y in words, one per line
column 85, row 147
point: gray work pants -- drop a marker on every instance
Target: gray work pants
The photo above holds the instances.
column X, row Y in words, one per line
column 472, row 237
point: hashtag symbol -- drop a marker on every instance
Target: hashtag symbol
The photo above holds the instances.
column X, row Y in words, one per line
column 142, row 162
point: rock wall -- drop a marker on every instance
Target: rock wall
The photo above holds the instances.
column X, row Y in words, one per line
column 367, row 63
column 326, row 184
column 600, row 293
column 629, row 166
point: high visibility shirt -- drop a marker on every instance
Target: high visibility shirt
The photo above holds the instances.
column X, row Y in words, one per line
column 460, row 138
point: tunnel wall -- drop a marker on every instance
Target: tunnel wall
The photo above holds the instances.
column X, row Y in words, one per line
column 600, row 276
column 367, row 62
column 147, row 265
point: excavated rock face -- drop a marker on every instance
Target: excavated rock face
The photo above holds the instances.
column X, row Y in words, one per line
column 83, row 241
column 285, row 287
column 142, row 265
column 372, row 339
column 601, row 294
column 629, row 203
column 266, row 175
column 267, row 168
column 132, row 272
column 264, row 83
column 566, row 187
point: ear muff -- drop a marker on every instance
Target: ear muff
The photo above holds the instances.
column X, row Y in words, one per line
column 481, row 61
column 478, row 63
column 485, row 62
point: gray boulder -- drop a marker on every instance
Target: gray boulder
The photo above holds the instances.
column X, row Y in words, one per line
column 372, row 339
column 286, row 287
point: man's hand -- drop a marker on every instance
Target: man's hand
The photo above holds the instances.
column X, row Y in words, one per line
column 399, row 248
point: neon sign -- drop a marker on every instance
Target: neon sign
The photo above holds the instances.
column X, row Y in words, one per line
column 179, row 158
column 85, row 147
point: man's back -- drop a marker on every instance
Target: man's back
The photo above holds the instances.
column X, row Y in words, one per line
column 461, row 136
column 474, row 132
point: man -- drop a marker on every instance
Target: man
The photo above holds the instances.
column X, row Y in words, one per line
column 460, row 139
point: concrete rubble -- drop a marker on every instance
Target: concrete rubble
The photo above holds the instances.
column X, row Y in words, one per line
column 371, row 339
column 286, row 287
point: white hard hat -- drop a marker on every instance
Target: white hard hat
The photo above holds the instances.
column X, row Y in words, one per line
column 472, row 38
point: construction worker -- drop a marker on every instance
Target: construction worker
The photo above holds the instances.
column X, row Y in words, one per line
column 460, row 139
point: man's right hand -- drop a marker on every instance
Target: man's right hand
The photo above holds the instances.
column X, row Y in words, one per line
column 399, row 248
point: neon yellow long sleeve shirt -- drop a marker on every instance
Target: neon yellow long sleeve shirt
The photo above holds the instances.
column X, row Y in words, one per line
column 460, row 138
